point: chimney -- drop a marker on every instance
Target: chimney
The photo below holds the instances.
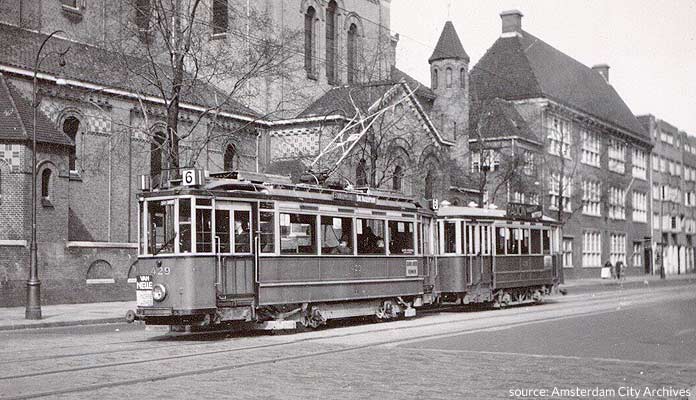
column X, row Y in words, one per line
column 512, row 21
column 602, row 69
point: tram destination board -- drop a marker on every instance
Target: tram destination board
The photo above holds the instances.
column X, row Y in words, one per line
column 354, row 197
column 530, row 212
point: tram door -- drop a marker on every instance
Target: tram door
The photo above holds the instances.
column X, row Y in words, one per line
column 235, row 272
column 427, row 250
column 477, row 244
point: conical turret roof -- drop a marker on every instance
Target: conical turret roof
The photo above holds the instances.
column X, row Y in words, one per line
column 449, row 46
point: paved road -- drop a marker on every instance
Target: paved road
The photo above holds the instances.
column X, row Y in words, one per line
column 629, row 339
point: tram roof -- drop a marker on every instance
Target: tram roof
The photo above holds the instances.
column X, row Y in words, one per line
column 475, row 212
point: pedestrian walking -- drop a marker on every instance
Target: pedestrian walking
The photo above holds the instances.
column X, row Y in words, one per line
column 611, row 268
column 619, row 270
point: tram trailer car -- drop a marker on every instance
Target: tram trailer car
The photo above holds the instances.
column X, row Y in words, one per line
column 256, row 250
column 485, row 256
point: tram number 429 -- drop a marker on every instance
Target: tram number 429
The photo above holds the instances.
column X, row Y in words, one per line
column 160, row 270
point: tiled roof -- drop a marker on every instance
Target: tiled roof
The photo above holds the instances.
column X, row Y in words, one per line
column 499, row 118
column 449, row 46
column 523, row 67
column 16, row 119
column 337, row 101
column 98, row 66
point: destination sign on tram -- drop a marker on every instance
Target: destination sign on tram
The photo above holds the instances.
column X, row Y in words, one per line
column 354, row 197
column 524, row 211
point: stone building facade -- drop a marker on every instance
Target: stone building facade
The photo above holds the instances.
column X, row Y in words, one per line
column 594, row 163
column 673, row 182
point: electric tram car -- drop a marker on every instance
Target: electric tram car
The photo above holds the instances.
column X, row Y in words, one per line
column 244, row 249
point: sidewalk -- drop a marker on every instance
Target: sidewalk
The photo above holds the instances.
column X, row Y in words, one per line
column 114, row 312
column 630, row 282
column 66, row 315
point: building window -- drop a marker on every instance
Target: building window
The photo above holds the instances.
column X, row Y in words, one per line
column 434, row 79
column 529, row 166
column 591, row 198
column 617, row 156
column 361, row 173
column 220, row 16
column 689, row 199
column 309, row 40
column 555, row 191
column 143, row 11
column 640, row 207
column 397, row 178
column 591, row 249
column 617, row 209
column 488, row 160
column 640, row 164
column 158, row 156
column 590, row 148
column 637, row 258
column 533, row 198
column 448, row 77
column 518, row 197
column 567, row 252
column 559, row 137
column 46, row 184
column 617, row 248
column 429, row 184
column 331, row 42
column 70, row 127
column 666, row 138
column 462, row 78
column 230, row 160
column 656, row 163
column 352, row 50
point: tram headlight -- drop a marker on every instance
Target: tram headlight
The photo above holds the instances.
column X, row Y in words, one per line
column 159, row 292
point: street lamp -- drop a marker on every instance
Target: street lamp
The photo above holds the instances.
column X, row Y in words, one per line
column 33, row 306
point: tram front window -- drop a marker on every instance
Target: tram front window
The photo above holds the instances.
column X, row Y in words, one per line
column 161, row 231
column 400, row 237
column 450, row 236
column 267, row 228
column 336, row 236
column 204, row 226
column 242, row 238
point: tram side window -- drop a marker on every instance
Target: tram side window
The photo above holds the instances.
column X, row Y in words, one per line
column 161, row 230
column 204, row 230
column 450, row 236
column 184, row 225
column 267, row 228
column 427, row 250
column 547, row 241
column 370, row 234
column 337, row 236
column 501, row 240
column 401, row 237
column 536, row 241
column 298, row 234
column 524, row 243
column 513, row 244
column 465, row 238
column 485, row 248
column 242, row 236
column 222, row 229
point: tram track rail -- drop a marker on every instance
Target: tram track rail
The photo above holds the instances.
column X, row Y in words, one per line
column 241, row 335
column 583, row 311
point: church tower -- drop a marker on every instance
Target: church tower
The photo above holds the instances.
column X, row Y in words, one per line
column 449, row 72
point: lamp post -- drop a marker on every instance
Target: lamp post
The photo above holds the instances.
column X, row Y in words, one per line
column 33, row 306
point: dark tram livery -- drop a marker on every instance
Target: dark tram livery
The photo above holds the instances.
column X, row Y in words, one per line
column 254, row 250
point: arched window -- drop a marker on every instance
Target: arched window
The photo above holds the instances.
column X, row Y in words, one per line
column 429, row 184
column 352, row 53
column 434, row 79
column 309, row 40
column 158, row 154
column 229, row 162
column 361, row 174
column 462, row 78
column 70, row 127
column 46, row 183
column 448, row 77
column 331, row 42
column 397, row 178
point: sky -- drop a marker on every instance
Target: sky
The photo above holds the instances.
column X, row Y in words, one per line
column 649, row 45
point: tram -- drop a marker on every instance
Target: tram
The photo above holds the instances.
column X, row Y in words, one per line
column 252, row 248
column 255, row 250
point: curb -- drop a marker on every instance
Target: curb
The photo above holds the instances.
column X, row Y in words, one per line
column 59, row 324
column 613, row 285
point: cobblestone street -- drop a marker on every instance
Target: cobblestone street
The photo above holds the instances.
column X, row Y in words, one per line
column 606, row 340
